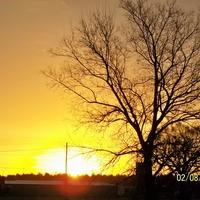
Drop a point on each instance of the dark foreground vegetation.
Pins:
(98, 187)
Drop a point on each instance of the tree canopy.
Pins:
(140, 78)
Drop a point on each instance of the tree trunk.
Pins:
(148, 178)
(184, 191)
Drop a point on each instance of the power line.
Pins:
(28, 137)
(21, 150)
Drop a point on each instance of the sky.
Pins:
(35, 122)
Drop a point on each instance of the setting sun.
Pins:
(54, 161)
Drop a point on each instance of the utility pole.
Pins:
(66, 158)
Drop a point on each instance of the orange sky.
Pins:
(34, 120)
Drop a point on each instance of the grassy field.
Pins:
(60, 192)
(58, 198)
(32, 198)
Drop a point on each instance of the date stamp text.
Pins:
(188, 177)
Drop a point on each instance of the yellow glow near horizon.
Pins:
(33, 117)
(53, 161)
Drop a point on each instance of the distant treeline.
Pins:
(62, 177)
(166, 185)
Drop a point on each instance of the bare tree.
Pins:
(138, 82)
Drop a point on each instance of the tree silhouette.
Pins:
(178, 149)
(138, 81)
